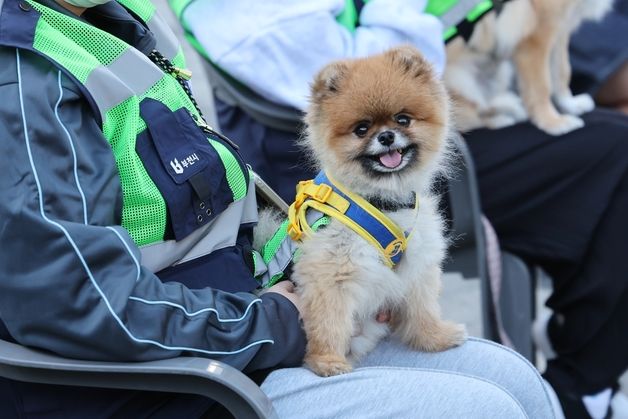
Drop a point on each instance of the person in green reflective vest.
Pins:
(126, 227)
(558, 202)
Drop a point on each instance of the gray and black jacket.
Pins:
(72, 280)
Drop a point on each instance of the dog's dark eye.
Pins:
(361, 129)
(403, 120)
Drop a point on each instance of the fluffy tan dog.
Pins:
(378, 126)
(534, 36)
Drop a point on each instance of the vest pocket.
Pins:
(184, 166)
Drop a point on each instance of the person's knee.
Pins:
(506, 361)
(391, 392)
(607, 128)
(498, 403)
(513, 372)
(463, 396)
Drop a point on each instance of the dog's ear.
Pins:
(327, 81)
(410, 60)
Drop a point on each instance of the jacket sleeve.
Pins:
(71, 279)
(277, 47)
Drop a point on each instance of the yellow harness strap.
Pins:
(355, 212)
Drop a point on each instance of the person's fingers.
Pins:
(286, 288)
(286, 285)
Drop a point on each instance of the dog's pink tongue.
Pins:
(391, 159)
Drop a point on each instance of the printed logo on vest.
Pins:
(176, 166)
(179, 167)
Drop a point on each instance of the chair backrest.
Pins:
(215, 380)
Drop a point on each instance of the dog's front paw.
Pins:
(443, 336)
(575, 105)
(562, 124)
(328, 365)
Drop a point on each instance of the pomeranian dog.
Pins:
(529, 38)
(378, 126)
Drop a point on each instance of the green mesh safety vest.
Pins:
(118, 77)
(454, 14)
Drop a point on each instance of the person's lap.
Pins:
(479, 379)
(545, 194)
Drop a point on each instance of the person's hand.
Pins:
(286, 288)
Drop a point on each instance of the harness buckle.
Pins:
(299, 200)
(322, 193)
(294, 231)
(301, 195)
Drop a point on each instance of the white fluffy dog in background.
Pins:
(528, 39)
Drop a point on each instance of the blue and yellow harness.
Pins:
(317, 202)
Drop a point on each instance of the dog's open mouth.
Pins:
(393, 160)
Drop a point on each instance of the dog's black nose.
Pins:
(386, 138)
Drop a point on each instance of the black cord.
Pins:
(167, 66)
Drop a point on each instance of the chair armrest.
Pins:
(205, 377)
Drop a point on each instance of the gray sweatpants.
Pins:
(480, 379)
